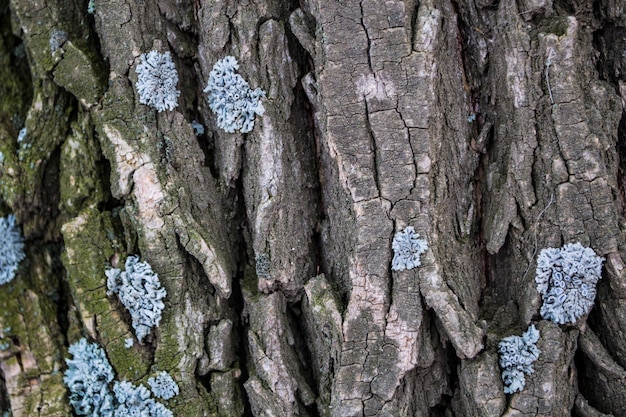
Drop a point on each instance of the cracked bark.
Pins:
(495, 129)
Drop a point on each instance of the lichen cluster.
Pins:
(407, 247)
(231, 98)
(139, 289)
(163, 386)
(88, 378)
(11, 248)
(156, 81)
(566, 278)
(517, 355)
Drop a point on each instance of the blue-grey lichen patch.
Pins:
(21, 135)
(566, 278)
(156, 81)
(57, 39)
(136, 401)
(87, 377)
(198, 128)
(11, 248)
(139, 289)
(163, 386)
(517, 355)
(407, 247)
(262, 264)
(231, 98)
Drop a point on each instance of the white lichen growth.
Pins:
(198, 128)
(140, 291)
(57, 39)
(262, 266)
(163, 386)
(11, 248)
(21, 135)
(566, 279)
(407, 247)
(87, 377)
(157, 80)
(135, 401)
(231, 98)
(517, 355)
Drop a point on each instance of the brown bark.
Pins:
(494, 128)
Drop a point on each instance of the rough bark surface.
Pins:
(494, 128)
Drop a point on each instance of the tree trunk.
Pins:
(494, 128)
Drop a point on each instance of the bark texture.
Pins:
(494, 128)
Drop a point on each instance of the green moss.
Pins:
(53, 397)
(250, 281)
(77, 73)
(50, 400)
(558, 26)
(29, 331)
(225, 388)
(80, 174)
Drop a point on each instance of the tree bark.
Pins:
(494, 128)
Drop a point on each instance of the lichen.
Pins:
(11, 248)
(139, 289)
(566, 279)
(231, 98)
(517, 355)
(163, 386)
(156, 82)
(87, 377)
(262, 266)
(407, 247)
(135, 401)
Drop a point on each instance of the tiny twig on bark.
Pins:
(548, 63)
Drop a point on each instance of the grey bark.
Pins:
(494, 128)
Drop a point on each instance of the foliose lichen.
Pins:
(21, 135)
(407, 247)
(231, 98)
(198, 128)
(262, 266)
(517, 355)
(57, 39)
(140, 291)
(87, 377)
(156, 81)
(11, 248)
(136, 401)
(163, 386)
(566, 278)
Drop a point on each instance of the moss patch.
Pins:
(77, 74)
